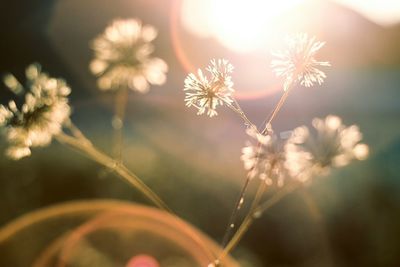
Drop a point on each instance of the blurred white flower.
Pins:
(265, 159)
(207, 94)
(298, 63)
(123, 57)
(42, 114)
(329, 144)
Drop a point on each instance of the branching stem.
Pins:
(265, 131)
(255, 213)
(83, 145)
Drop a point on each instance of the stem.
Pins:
(83, 145)
(276, 198)
(239, 201)
(76, 132)
(258, 196)
(234, 214)
(90, 151)
(121, 100)
(254, 214)
(277, 108)
(238, 110)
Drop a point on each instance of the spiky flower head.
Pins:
(41, 116)
(329, 144)
(298, 63)
(123, 57)
(206, 94)
(264, 158)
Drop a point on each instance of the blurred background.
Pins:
(351, 218)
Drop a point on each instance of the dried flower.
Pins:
(123, 57)
(331, 144)
(298, 63)
(207, 94)
(264, 159)
(40, 117)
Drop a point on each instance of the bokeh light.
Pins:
(142, 261)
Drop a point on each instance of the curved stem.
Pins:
(80, 143)
(90, 151)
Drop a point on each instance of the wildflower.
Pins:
(123, 57)
(207, 94)
(40, 117)
(330, 144)
(265, 159)
(298, 63)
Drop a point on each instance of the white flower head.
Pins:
(297, 63)
(41, 116)
(265, 159)
(207, 93)
(330, 144)
(123, 57)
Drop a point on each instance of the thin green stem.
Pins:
(93, 153)
(266, 130)
(255, 213)
(244, 188)
(234, 214)
(276, 198)
(258, 196)
(121, 101)
(277, 108)
(80, 143)
(238, 110)
(76, 132)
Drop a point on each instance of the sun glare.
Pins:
(241, 25)
(383, 12)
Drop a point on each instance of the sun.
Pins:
(240, 25)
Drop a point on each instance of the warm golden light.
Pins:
(246, 25)
(241, 25)
(383, 12)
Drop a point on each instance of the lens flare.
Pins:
(240, 25)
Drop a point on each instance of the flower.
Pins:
(331, 144)
(41, 116)
(123, 57)
(207, 94)
(298, 63)
(265, 159)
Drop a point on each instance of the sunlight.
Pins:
(241, 25)
(383, 12)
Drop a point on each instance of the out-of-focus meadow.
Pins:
(350, 218)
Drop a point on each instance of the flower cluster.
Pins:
(264, 159)
(298, 63)
(306, 153)
(123, 57)
(329, 144)
(41, 116)
(207, 93)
